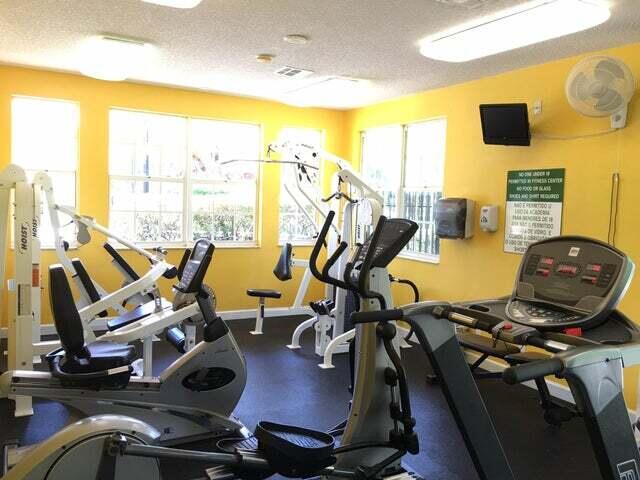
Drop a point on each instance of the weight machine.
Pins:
(361, 207)
(24, 330)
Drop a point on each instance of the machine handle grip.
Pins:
(448, 313)
(406, 281)
(330, 262)
(377, 316)
(313, 258)
(183, 262)
(533, 370)
(170, 273)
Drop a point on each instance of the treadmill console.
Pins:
(568, 282)
(196, 267)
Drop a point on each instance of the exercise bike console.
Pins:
(195, 268)
(569, 282)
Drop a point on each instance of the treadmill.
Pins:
(564, 302)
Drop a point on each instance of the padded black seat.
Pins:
(102, 355)
(81, 364)
(256, 292)
(88, 285)
(282, 270)
(486, 346)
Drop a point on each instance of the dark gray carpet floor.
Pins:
(285, 386)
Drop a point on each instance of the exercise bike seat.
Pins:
(136, 314)
(282, 270)
(97, 356)
(98, 364)
(257, 292)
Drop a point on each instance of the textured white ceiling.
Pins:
(213, 46)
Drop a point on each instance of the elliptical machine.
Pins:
(376, 435)
(192, 398)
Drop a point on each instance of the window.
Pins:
(170, 183)
(44, 136)
(296, 225)
(406, 164)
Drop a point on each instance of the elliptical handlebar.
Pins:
(323, 275)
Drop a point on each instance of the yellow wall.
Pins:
(478, 268)
(475, 268)
(234, 269)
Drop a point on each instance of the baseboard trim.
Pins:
(100, 324)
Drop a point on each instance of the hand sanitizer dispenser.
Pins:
(489, 218)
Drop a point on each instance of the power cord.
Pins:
(544, 136)
(613, 208)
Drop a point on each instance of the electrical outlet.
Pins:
(537, 107)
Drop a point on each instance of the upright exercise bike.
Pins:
(377, 434)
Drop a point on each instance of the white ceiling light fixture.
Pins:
(530, 23)
(296, 39)
(113, 58)
(336, 92)
(175, 3)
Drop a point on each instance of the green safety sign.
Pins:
(534, 207)
(535, 185)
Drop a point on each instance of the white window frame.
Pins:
(188, 183)
(44, 209)
(308, 241)
(402, 188)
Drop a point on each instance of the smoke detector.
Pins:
(293, 72)
(465, 3)
(264, 58)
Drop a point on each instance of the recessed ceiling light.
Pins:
(334, 91)
(175, 3)
(112, 58)
(296, 39)
(265, 58)
(527, 24)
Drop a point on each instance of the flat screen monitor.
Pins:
(505, 124)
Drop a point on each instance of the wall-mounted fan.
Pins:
(601, 86)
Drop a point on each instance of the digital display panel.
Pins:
(567, 269)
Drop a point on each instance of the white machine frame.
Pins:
(353, 228)
(24, 328)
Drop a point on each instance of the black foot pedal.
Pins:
(232, 445)
(295, 451)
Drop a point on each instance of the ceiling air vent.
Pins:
(465, 3)
(293, 72)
